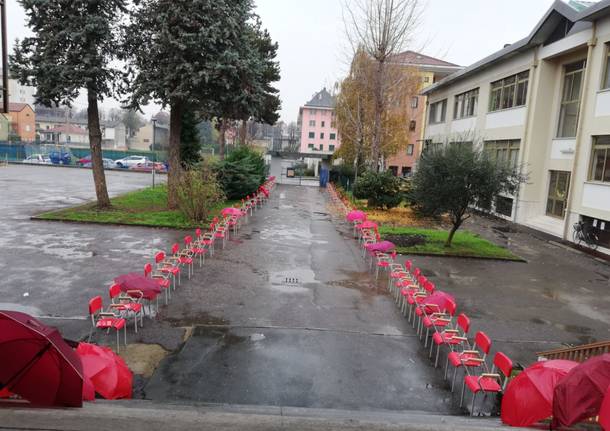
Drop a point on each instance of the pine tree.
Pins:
(71, 49)
(190, 143)
(183, 53)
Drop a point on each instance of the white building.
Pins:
(543, 103)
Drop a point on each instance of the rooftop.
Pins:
(322, 99)
(417, 59)
(17, 107)
(571, 12)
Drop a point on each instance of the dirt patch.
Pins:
(406, 240)
(143, 359)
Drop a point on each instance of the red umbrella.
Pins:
(529, 396)
(383, 246)
(37, 364)
(136, 281)
(108, 373)
(579, 395)
(438, 298)
(604, 412)
(356, 215)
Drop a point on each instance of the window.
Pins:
(394, 170)
(559, 184)
(509, 92)
(27, 128)
(426, 79)
(410, 149)
(313, 112)
(312, 123)
(312, 135)
(600, 166)
(324, 113)
(606, 83)
(463, 144)
(406, 171)
(504, 206)
(570, 99)
(323, 123)
(412, 125)
(322, 135)
(505, 151)
(433, 146)
(310, 146)
(466, 104)
(333, 136)
(414, 102)
(438, 111)
(321, 147)
(331, 148)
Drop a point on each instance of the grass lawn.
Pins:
(146, 207)
(465, 244)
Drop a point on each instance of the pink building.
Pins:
(317, 125)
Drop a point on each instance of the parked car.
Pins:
(108, 163)
(131, 161)
(60, 157)
(37, 159)
(83, 161)
(148, 167)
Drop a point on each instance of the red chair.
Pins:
(451, 337)
(127, 303)
(473, 357)
(488, 382)
(105, 320)
(206, 240)
(168, 266)
(195, 248)
(183, 257)
(161, 279)
(220, 231)
(437, 318)
(384, 260)
(398, 271)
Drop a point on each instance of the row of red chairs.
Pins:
(167, 269)
(433, 315)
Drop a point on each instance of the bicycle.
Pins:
(583, 232)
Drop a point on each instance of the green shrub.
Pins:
(380, 189)
(198, 192)
(242, 172)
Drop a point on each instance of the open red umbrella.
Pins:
(604, 412)
(383, 246)
(37, 364)
(529, 396)
(356, 215)
(438, 298)
(108, 373)
(136, 281)
(579, 395)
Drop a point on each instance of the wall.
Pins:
(322, 115)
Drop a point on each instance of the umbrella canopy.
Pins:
(107, 372)
(231, 211)
(37, 364)
(356, 215)
(136, 281)
(440, 299)
(383, 246)
(604, 412)
(529, 396)
(367, 225)
(579, 395)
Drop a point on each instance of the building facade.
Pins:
(22, 120)
(429, 70)
(542, 104)
(317, 125)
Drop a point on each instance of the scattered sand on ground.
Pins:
(143, 359)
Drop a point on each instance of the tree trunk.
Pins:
(452, 232)
(243, 133)
(379, 107)
(223, 139)
(173, 174)
(95, 144)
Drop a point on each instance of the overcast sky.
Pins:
(312, 44)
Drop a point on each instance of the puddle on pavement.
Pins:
(195, 320)
(362, 282)
(572, 329)
(27, 309)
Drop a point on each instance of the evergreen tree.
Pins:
(71, 49)
(183, 53)
(190, 143)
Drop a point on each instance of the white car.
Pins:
(131, 161)
(37, 159)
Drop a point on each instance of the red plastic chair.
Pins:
(127, 303)
(451, 337)
(488, 382)
(101, 319)
(168, 266)
(206, 240)
(195, 248)
(437, 319)
(473, 357)
(162, 280)
(183, 257)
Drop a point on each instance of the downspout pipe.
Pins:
(591, 45)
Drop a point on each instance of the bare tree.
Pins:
(382, 29)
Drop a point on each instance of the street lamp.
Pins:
(5, 106)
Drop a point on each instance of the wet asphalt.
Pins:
(287, 314)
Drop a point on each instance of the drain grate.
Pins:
(291, 281)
